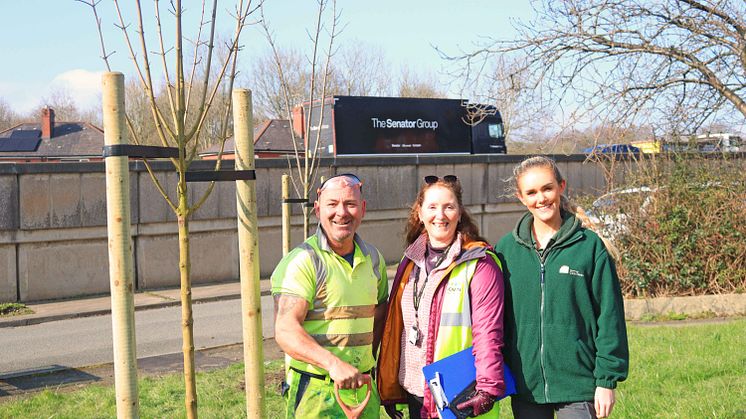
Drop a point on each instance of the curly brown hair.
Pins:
(414, 228)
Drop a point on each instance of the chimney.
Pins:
(299, 124)
(47, 123)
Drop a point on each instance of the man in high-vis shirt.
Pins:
(330, 303)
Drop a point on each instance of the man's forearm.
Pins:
(299, 345)
(292, 338)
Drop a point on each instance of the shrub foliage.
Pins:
(683, 225)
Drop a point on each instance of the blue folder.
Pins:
(456, 373)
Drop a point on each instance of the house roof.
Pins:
(270, 136)
(69, 140)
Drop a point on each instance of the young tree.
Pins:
(306, 160)
(191, 89)
(681, 61)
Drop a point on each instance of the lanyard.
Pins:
(417, 294)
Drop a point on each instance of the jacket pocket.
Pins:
(585, 355)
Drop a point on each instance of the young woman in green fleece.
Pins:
(565, 336)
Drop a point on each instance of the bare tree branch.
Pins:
(164, 63)
(633, 60)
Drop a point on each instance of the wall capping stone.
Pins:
(720, 305)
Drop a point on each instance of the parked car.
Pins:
(612, 149)
(609, 213)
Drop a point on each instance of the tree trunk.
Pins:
(187, 321)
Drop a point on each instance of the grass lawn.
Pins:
(684, 371)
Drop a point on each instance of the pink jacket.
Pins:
(487, 295)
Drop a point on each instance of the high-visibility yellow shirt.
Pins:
(341, 298)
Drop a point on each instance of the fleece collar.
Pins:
(566, 234)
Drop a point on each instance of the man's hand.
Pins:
(604, 401)
(354, 412)
(295, 341)
(345, 375)
(480, 403)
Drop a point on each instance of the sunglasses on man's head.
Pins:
(354, 181)
(447, 179)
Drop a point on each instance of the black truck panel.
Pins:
(361, 125)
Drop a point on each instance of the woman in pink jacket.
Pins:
(442, 240)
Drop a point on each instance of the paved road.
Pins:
(87, 341)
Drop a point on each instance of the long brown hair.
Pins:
(565, 203)
(414, 228)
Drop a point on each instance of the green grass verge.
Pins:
(14, 309)
(686, 371)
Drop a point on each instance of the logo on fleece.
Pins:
(564, 269)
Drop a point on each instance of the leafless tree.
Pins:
(683, 61)
(503, 85)
(361, 69)
(192, 87)
(142, 125)
(65, 108)
(59, 99)
(304, 163)
(358, 70)
(412, 84)
(138, 112)
(8, 117)
(270, 93)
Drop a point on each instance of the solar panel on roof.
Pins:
(19, 144)
(27, 134)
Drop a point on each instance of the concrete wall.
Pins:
(53, 241)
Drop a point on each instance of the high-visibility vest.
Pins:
(454, 330)
(341, 316)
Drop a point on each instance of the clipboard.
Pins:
(450, 376)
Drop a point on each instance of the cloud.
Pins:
(83, 86)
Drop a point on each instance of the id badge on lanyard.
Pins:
(414, 335)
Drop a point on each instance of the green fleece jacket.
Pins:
(564, 314)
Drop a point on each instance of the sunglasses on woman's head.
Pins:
(447, 179)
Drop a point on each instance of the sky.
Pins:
(52, 45)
